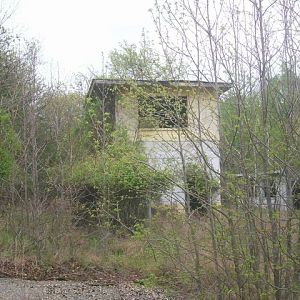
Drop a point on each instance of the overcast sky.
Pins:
(73, 33)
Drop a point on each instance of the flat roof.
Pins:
(223, 86)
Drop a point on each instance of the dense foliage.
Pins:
(119, 181)
(62, 164)
(9, 144)
(200, 187)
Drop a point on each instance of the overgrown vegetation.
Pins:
(77, 189)
(199, 187)
(115, 184)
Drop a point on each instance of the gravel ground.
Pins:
(18, 289)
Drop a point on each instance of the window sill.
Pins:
(162, 129)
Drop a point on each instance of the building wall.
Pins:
(164, 146)
(279, 201)
(127, 114)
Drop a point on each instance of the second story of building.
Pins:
(160, 111)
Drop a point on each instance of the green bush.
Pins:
(116, 183)
(6, 163)
(200, 187)
(9, 143)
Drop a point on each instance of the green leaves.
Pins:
(121, 177)
(133, 62)
(200, 187)
(6, 163)
(121, 167)
(9, 144)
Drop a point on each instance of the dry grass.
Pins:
(162, 252)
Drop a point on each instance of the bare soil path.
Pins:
(19, 289)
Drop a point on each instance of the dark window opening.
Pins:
(273, 188)
(253, 188)
(163, 112)
(296, 195)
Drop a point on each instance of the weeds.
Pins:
(158, 253)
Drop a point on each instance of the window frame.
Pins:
(159, 115)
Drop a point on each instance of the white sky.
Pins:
(73, 33)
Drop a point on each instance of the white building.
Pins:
(177, 122)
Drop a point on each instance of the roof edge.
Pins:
(224, 86)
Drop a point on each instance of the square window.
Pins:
(163, 112)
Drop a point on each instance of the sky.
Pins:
(73, 33)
